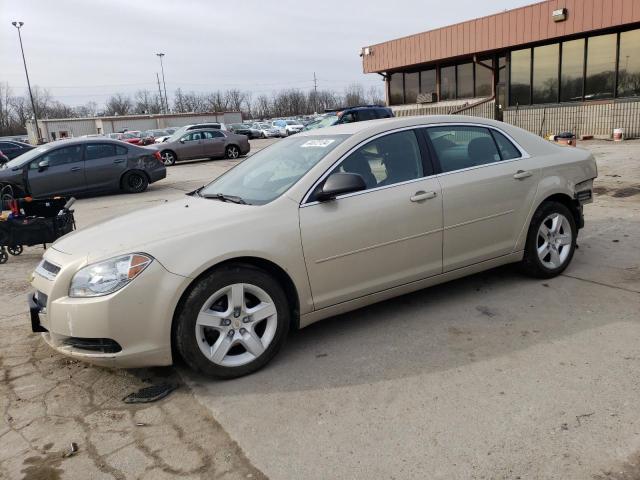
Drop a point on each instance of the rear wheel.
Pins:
(233, 322)
(134, 182)
(15, 250)
(3, 256)
(551, 241)
(232, 152)
(168, 158)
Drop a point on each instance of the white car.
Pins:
(313, 226)
(287, 127)
(266, 130)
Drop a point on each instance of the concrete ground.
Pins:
(492, 376)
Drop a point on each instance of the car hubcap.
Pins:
(167, 158)
(233, 152)
(135, 181)
(236, 325)
(554, 241)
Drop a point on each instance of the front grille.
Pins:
(47, 270)
(101, 345)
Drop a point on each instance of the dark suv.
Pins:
(12, 148)
(358, 113)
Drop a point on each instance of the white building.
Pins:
(57, 128)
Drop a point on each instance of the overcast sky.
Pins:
(88, 49)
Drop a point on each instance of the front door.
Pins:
(488, 186)
(192, 146)
(57, 172)
(213, 143)
(387, 235)
(104, 165)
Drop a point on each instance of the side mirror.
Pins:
(339, 184)
(43, 165)
(182, 140)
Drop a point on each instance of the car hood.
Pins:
(149, 229)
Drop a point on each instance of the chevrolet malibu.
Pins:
(315, 225)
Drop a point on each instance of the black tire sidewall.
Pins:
(125, 182)
(531, 264)
(185, 319)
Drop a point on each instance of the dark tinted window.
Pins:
(629, 69)
(545, 73)
(60, 156)
(411, 85)
(7, 145)
(386, 160)
(507, 149)
(348, 118)
(465, 80)
(366, 114)
(396, 93)
(484, 77)
(448, 83)
(100, 150)
(521, 77)
(572, 70)
(601, 67)
(428, 81)
(461, 147)
(383, 113)
(214, 134)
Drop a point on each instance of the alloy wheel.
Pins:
(167, 159)
(554, 241)
(236, 325)
(233, 152)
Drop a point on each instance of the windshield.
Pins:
(323, 122)
(264, 125)
(269, 173)
(26, 157)
(177, 135)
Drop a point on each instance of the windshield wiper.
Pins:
(226, 198)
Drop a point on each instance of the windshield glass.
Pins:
(269, 173)
(177, 134)
(323, 122)
(26, 157)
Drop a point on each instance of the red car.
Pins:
(130, 136)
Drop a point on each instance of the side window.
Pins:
(58, 157)
(459, 147)
(383, 113)
(366, 114)
(100, 150)
(386, 160)
(210, 135)
(6, 146)
(348, 118)
(196, 136)
(121, 150)
(507, 149)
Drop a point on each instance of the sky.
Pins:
(86, 50)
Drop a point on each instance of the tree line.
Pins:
(15, 110)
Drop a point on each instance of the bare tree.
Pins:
(118, 104)
(146, 102)
(354, 95)
(375, 95)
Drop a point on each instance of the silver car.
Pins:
(313, 226)
(204, 143)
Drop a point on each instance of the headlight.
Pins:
(108, 276)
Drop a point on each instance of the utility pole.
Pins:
(19, 25)
(166, 100)
(160, 92)
(315, 93)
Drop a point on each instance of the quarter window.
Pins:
(507, 149)
(387, 160)
(459, 147)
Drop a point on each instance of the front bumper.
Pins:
(130, 328)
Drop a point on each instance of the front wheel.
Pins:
(168, 158)
(233, 322)
(134, 182)
(232, 152)
(551, 241)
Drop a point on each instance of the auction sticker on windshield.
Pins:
(317, 143)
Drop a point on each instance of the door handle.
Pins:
(75, 169)
(120, 160)
(522, 174)
(421, 196)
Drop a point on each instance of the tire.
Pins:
(3, 256)
(232, 152)
(549, 249)
(134, 181)
(216, 337)
(15, 250)
(262, 135)
(168, 158)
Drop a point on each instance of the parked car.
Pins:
(151, 136)
(3, 158)
(82, 166)
(191, 144)
(133, 136)
(316, 225)
(12, 148)
(349, 115)
(241, 129)
(265, 130)
(287, 127)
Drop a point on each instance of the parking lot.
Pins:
(492, 376)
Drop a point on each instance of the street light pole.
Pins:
(166, 100)
(19, 25)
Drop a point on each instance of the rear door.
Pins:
(488, 186)
(104, 165)
(192, 146)
(213, 143)
(61, 173)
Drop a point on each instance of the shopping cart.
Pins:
(34, 222)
